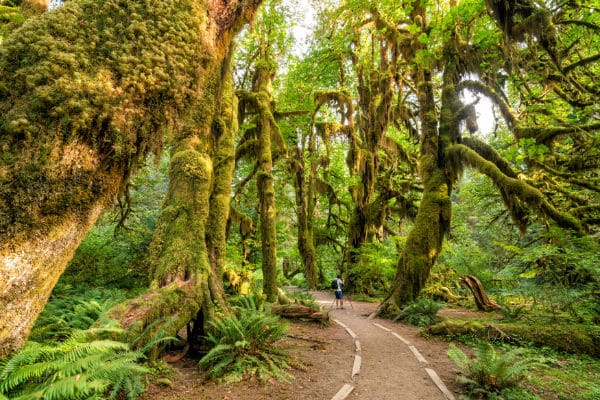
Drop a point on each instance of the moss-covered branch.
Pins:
(545, 134)
(514, 187)
(581, 63)
(515, 205)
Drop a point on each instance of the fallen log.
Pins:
(299, 311)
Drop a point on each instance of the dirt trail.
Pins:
(389, 364)
(389, 369)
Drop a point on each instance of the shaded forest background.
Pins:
(234, 168)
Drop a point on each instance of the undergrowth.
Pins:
(422, 312)
(87, 365)
(491, 374)
(73, 308)
(243, 348)
(75, 352)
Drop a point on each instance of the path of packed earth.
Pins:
(354, 358)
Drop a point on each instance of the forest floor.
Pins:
(394, 362)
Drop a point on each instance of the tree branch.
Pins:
(580, 63)
(579, 23)
(545, 134)
(514, 187)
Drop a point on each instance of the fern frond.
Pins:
(490, 371)
(243, 346)
(67, 388)
(72, 370)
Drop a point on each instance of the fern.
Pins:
(421, 312)
(153, 339)
(81, 367)
(512, 312)
(254, 302)
(70, 309)
(489, 373)
(306, 299)
(243, 347)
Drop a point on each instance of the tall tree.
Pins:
(521, 55)
(469, 47)
(86, 92)
(312, 156)
(263, 141)
(371, 103)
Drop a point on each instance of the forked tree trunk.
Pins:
(188, 248)
(70, 139)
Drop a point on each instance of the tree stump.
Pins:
(483, 302)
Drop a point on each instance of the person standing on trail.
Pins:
(339, 295)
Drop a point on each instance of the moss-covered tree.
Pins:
(262, 142)
(469, 48)
(373, 104)
(527, 58)
(86, 92)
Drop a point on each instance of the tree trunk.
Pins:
(266, 198)
(306, 241)
(70, 139)
(188, 248)
(424, 241)
(223, 133)
(264, 183)
(29, 269)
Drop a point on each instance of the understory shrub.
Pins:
(421, 312)
(243, 348)
(490, 373)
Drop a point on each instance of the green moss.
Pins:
(103, 77)
(223, 132)
(573, 338)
